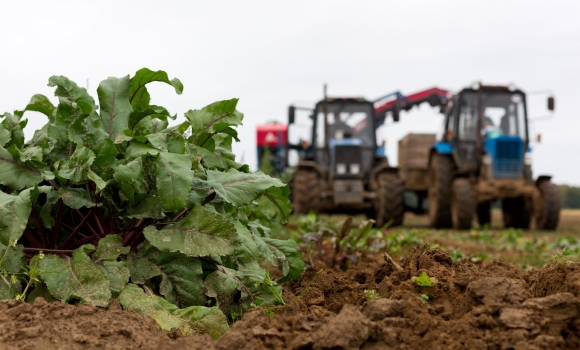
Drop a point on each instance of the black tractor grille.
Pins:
(349, 156)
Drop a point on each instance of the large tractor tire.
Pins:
(439, 193)
(305, 191)
(484, 213)
(548, 210)
(389, 203)
(517, 212)
(462, 208)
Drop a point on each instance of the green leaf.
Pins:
(138, 149)
(199, 233)
(77, 278)
(14, 124)
(14, 213)
(223, 287)
(173, 177)
(40, 103)
(182, 282)
(424, 280)
(110, 248)
(40, 291)
(138, 94)
(240, 188)
(5, 135)
(118, 274)
(115, 106)
(150, 207)
(141, 121)
(75, 198)
(191, 320)
(15, 174)
(279, 196)
(222, 114)
(9, 288)
(289, 256)
(87, 131)
(77, 166)
(74, 101)
(141, 268)
(12, 258)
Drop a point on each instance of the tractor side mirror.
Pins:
(551, 103)
(291, 114)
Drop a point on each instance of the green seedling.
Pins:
(371, 294)
(424, 280)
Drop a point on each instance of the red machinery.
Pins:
(395, 102)
(273, 137)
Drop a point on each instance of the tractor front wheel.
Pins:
(462, 208)
(439, 193)
(389, 204)
(305, 191)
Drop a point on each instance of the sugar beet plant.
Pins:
(109, 201)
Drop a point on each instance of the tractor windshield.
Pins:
(503, 115)
(346, 120)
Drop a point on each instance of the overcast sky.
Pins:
(272, 53)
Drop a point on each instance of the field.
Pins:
(106, 242)
(433, 288)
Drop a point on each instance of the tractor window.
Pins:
(345, 121)
(503, 115)
(467, 128)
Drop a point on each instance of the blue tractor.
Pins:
(484, 156)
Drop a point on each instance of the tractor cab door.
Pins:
(466, 126)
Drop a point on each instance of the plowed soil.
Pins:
(492, 306)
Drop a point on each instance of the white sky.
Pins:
(272, 53)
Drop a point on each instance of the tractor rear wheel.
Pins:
(517, 212)
(484, 213)
(305, 191)
(462, 208)
(439, 193)
(389, 204)
(548, 210)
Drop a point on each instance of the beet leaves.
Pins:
(112, 202)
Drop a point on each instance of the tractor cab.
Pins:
(343, 137)
(488, 130)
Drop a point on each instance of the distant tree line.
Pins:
(570, 197)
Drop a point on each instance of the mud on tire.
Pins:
(305, 191)
(548, 209)
(439, 193)
(462, 207)
(389, 205)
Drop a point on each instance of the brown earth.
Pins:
(493, 306)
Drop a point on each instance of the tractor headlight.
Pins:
(341, 168)
(527, 159)
(354, 168)
(486, 160)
